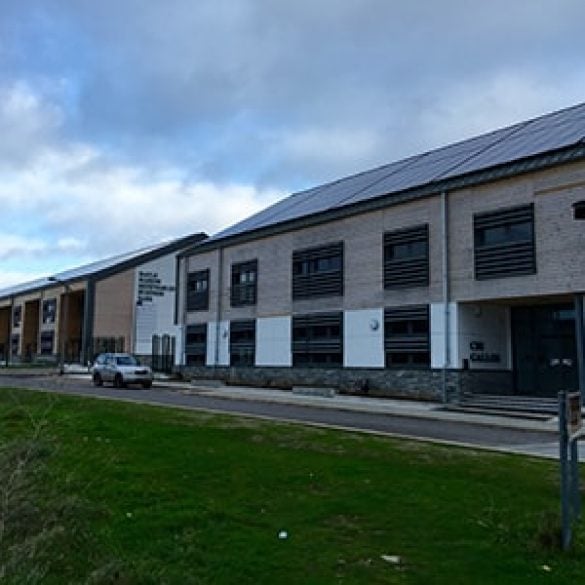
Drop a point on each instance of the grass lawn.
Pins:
(103, 492)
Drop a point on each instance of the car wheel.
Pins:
(118, 381)
(146, 385)
(97, 380)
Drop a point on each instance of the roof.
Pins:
(106, 267)
(536, 143)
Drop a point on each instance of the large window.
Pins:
(318, 272)
(243, 342)
(406, 336)
(406, 257)
(244, 277)
(196, 344)
(49, 311)
(14, 343)
(47, 342)
(198, 290)
(504, 243)
(17, 316)
(318, 340)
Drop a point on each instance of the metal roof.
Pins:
(428, 172)
(104, 267)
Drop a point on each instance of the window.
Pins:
(406, 336)
(504, 243)
(49, 310)
(318, 340)
(244, 277)
(47, 342)
(14, 343)
(243, 343)
(196, 344)
(17, 316)
(406, 257)
(198, 290)
(318, 272)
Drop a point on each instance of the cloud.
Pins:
(86, 203)
(27, 123)
(14, 245)
(123, 123)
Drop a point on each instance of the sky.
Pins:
(128, 122)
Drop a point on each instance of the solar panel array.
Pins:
(541, 135)
(79, 272)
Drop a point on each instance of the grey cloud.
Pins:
(227, 86)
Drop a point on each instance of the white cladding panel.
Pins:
(363, 338)
(154, 299)
(273, 341)
(484, 336)
(441, 355)
(223, 348)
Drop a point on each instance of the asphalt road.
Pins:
(464, 432)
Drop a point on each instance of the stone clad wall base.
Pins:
(414, 384)
(424, 384)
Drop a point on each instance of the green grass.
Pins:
(120, 493)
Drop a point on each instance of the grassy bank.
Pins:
(101, 492)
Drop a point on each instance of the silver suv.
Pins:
(120, 369)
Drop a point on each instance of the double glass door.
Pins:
(545, 355)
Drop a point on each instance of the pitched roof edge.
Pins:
(151, 254)
(476, 178)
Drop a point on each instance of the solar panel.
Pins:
(82, 271)
(519, 141)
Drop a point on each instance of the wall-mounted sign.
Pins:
(150, 286)
(476, 346)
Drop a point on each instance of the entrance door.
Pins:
(541, 334)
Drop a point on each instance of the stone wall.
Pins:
(419, 384)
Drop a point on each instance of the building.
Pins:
(459, 269)
(124, 303)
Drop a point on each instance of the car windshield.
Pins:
(126, 360)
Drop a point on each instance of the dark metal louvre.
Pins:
(408, 271)
(410, 341)
(312, 335)
(196, 344)
(316, 283)
(506, 258)
(243, 294)
(243, 342)
(197, 300)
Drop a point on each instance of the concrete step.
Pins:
(510, 403)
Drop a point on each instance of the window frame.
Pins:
(508, 256)
(407, 271)
(312, 349)
(410, 343)
(244, 293)
(198, 300)
(242, 350)
(309, 279)
(197, 348)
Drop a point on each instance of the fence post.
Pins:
(564, 467)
